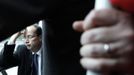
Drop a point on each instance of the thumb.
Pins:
(78, 26)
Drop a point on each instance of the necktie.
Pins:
(35, 64)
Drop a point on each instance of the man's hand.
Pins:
(14, 37)
(111, 28)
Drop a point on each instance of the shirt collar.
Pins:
(38, 52)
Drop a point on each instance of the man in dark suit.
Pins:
(22, 57)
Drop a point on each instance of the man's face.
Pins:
(32, 41)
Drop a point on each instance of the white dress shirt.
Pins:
(39, 60)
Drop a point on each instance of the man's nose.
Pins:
(26, 40)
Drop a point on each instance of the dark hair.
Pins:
(38, 30)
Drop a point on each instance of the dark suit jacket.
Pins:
(21, 58)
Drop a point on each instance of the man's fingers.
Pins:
(99, 35)
(98, 64)
(120, 65)
(92, 50)
(116, 49)
(105, 17)
(106, 34)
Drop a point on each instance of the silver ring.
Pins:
(107, 48)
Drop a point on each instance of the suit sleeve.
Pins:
(125, 5)
(7, 57)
